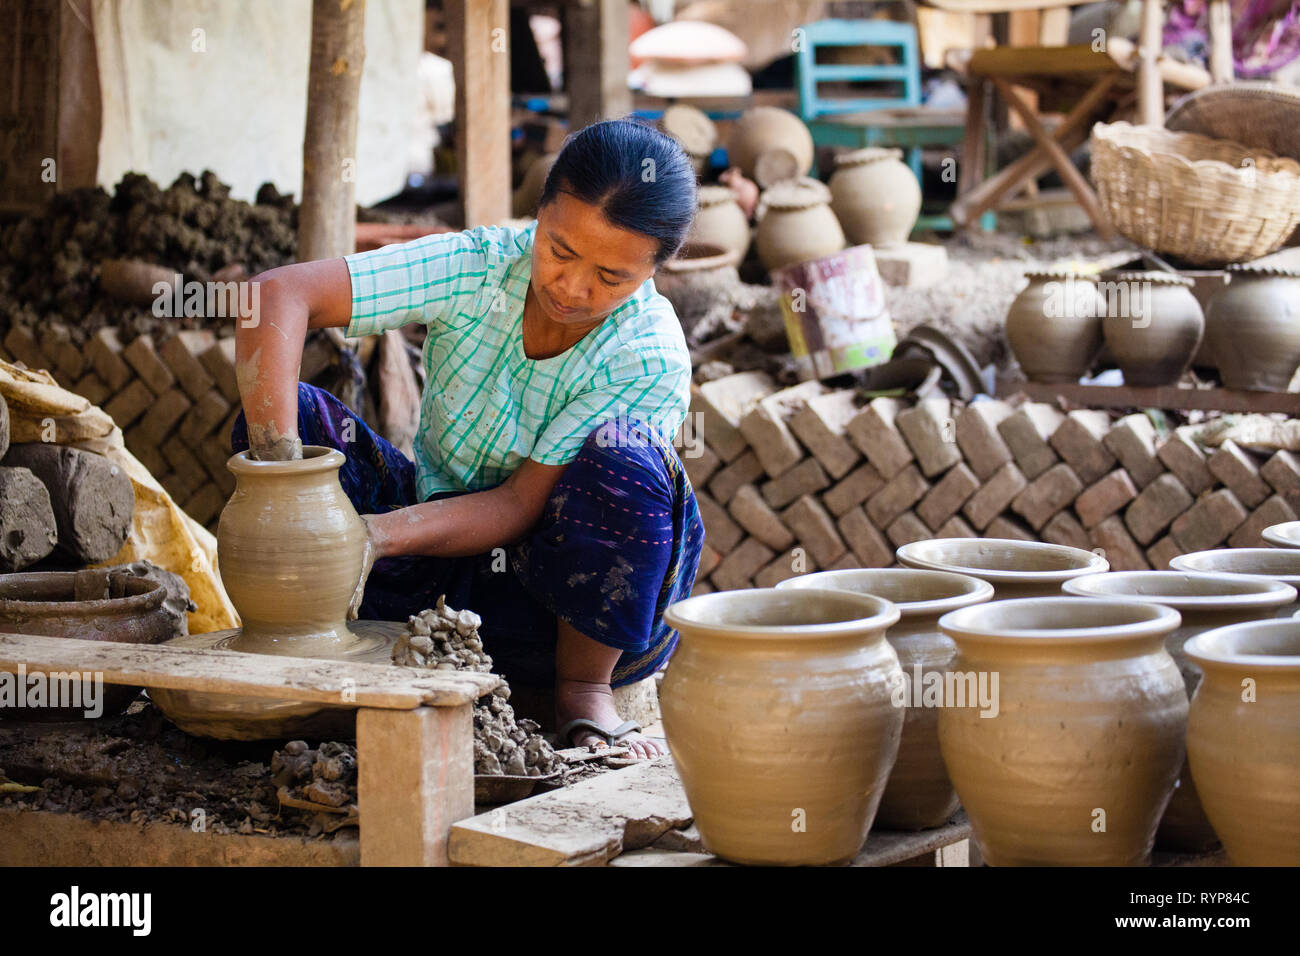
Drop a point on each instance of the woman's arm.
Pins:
(268, 347)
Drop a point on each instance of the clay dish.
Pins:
(1014, 568)
(1284, 535)
(1277, 564)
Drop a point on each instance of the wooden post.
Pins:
(1220, 30)
(327, 219)
(29, 103)
(1151, 87)
(478, 40)
(596, 61)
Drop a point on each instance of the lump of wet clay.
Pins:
(442, 639)
(326, 775)
(28, 531)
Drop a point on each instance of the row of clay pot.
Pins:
(797, 716)
(1153, 326)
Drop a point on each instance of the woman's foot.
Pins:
(594, 701)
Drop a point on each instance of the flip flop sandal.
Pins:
(611, 737)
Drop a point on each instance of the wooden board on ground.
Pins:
(1163, 396)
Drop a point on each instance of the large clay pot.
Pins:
(45, 603)
(764, 129)
(1276, 564)
(777, 709)
(1205, 601)
(1016, 569)
(797, 225)
(1080, 758)
(1054, 326)
(692, 128)
(1284, 535)
(876, 196)
(1243, 739)
(1206, 284)
(1253, 327)
(1152, 326)
(696, 279)
(719, 221)
(919, 793)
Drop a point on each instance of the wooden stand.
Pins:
(1163, 396)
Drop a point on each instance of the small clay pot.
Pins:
(1284, 535)
(765, 128)
(919, 794)
(1016, 569)
(1153, 325)
(697, 277)
(1054, 326)
(1088, 729)
(876, 196)
(1243, 739)
(1253, 327)
(1276, 564)
(796, 225)
(719, 221)
(777, 708)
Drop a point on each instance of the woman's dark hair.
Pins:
(641, 179)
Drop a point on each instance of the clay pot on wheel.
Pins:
(1090, 719)
(1276, 564)
(1152, 326)
(777, 709)
(919, 794)
(1016, 569)
(765, 129)
(719, 221)
(1244, 745)
(1054, 326)
(796, 225)
(1253, 327)
(876, 196)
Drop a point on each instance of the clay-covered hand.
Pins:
(374, 550)
(267, 444)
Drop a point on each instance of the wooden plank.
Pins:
(478, 35)
(1164, 396)
(1220, 30)
(887, 847)
(596, 61)
(248, 675)
(1056, 61)
(1151, 87)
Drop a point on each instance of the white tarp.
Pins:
(190, 85)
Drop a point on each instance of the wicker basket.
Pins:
(1208, 201)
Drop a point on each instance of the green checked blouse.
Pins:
(487, 406)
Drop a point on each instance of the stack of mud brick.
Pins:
(175, 401)
(802, 479)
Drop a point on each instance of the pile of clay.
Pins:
(445, 639)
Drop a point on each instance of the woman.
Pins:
(545, 495)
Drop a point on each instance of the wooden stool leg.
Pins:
(415, 778)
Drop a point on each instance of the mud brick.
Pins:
(1238, 470)
(1064, 528)
(846, 561)
(1026, 431)
(1103, 498)
(784, 567)
(1273, 511)
(182, 485)
(956, 527)
(701, 466)
(745, 469)
(739, 567)
(1282, 472)
(1185, 459)
(129, 404)
(1006, 527)
(914, 264)
(874, 432)
(868, 544)
(184, 463)
(947, 496)
(901, 492)
(853, 489)
(146, 452)
(1078, 440)
(723, 402)
(815, 529)
(702, 587)
(90, 386)
(219, 360)
(979, 440)
(200, 421)
(929, 430)
(1118, 545)
(995, 496)
(205, 504)
(186, 367)
(1209, 522)
(22, 344)
(1162, 552)
(214, 456)
(806, 478)
(104, 350)
(162, 416)
(709, 559)
(1047, 494)
(752, 513)
(770, 437)
(907, 528)
(822, 426)
(148, 364)
(56, 343)
(1132, 440)
(1155, 508)
(719, 530)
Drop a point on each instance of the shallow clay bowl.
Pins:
(1015, 568)
(916, 593)
(1277, 564)
(1187, 591)
(1284, 535)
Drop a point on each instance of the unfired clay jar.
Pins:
(797, 225)
(778, 714)
(1152, 326)
(1253, 327)
(719, 221)
(697, 277)
(692, 128)
(1081, 757)
(1016, 569)
(1284, 535)
(1243, 739)
(1277, 564)
(876, 196)
(919, 793)
(1205, 601)
(765, 128)
(1054, 326)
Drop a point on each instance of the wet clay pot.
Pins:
(1206, 284)
(875, 196)
(1253, 327)
(1016, 569)
(1205, 602)
(777, 709)
(1078, 762)
(1153, 325)
(696, 278)
(919, 794)
(1054, 326)
(47, 603)
(1276, 564)
(720, 222)
(797, 225)
(1243, 739)
(1284, 535)
(765, 129)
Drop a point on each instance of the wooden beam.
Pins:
(1151, 88)
(1163, 396)
(29, 102)
(596, 61)
(478, 40)
(975, 138)
(1220, 30)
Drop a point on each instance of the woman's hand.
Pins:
(375, 548)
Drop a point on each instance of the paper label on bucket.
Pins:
(835, 313)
